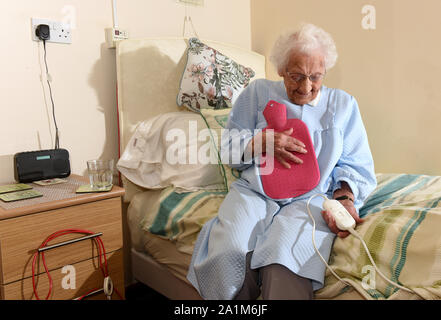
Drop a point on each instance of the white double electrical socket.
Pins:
(59, 32)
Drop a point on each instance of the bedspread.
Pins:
(177, 216)
(401, 229)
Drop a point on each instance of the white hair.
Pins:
(308, 39)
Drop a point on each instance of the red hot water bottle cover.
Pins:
(283, 183)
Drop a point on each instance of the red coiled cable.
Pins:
(101, 254)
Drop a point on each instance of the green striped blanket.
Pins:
(180, 216)
(402, 230)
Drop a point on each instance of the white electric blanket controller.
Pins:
(346, 222)
(343, 218)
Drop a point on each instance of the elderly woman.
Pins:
(262, 246)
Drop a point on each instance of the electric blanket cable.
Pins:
(313, 238)
(100, 245)
(57, 142)
(354, 233)
(101, 255)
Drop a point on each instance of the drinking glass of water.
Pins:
(100, 173)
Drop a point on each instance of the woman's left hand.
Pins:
(349, 205)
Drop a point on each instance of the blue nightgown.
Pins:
(280, 231)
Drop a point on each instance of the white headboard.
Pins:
(149, 72)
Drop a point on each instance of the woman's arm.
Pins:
(353, 175)
(354, 172)
(241, 128)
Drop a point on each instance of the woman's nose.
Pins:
(305, 86)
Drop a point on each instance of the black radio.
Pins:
(41, 165)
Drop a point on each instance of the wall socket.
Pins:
(59, 32)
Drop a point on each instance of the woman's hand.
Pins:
(349, 205)
(284, 146)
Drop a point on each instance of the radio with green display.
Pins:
(41, 165)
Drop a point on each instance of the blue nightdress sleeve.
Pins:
(356, 165)
(241, 128)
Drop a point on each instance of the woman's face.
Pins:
(297, 76)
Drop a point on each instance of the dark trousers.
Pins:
(277, 283)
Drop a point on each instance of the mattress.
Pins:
(401, 228)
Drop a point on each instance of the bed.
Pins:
(164, 212)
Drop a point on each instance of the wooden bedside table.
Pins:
(25, 224)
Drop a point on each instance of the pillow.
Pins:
(164, 151)
(216, 121)
(211, 79)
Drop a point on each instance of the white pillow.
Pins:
(150, 159)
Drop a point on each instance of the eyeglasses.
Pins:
(299, 77)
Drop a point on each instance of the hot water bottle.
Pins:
(281, 182)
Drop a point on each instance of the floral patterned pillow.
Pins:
(211, 80)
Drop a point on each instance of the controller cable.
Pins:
(354, 233)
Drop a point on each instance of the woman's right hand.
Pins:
(284, 146)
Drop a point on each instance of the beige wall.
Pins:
(83, 72)
(393, 71)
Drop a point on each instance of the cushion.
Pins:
(216, 121)
(211, 79)
(164, 151)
